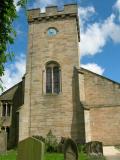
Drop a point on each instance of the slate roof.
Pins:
(9, 94)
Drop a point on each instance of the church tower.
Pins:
(49, 98)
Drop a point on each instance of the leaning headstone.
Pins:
(31, 149)
(94, 148)
(3, 142)
(70, 150)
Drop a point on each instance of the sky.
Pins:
(99, 33)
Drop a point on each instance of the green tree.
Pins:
(8, 14)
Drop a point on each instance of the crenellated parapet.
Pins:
(52, 12)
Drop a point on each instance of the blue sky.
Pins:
(100, 38)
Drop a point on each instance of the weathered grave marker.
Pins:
(70, 150)
(31, 149)
(94, 148)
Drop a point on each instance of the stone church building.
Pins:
(56, 93)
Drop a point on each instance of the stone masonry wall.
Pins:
(43, 112)
(100, 91)
(53, 111)
(102, 99)
(3, 142)
(105, 125)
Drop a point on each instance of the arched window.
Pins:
(52, 78)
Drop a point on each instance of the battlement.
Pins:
(52, 11)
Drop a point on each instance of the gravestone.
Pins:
(94, 148)
(3, 142)
(70, 150)
(31, 149)
(61, 145)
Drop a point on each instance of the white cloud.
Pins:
(95, 36)
(93, 67)
(110, 29)
(117, 5)
(92, 40)
(14, 73)
(117, 8)
(49, 2)
(43, 3)
(17, 7)
(85, 14)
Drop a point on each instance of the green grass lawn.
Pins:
(58, 156)
(11, 155)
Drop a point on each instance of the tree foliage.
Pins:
(8, 14)
(7, 33)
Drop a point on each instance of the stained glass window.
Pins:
(56, 79)
(49, 80)
(52, 78)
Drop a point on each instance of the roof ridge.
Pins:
(10, 88)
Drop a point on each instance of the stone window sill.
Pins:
(52, 94)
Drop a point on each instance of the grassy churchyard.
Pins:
(39, 148)
(11, 155)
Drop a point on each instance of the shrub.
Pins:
(51, 143)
